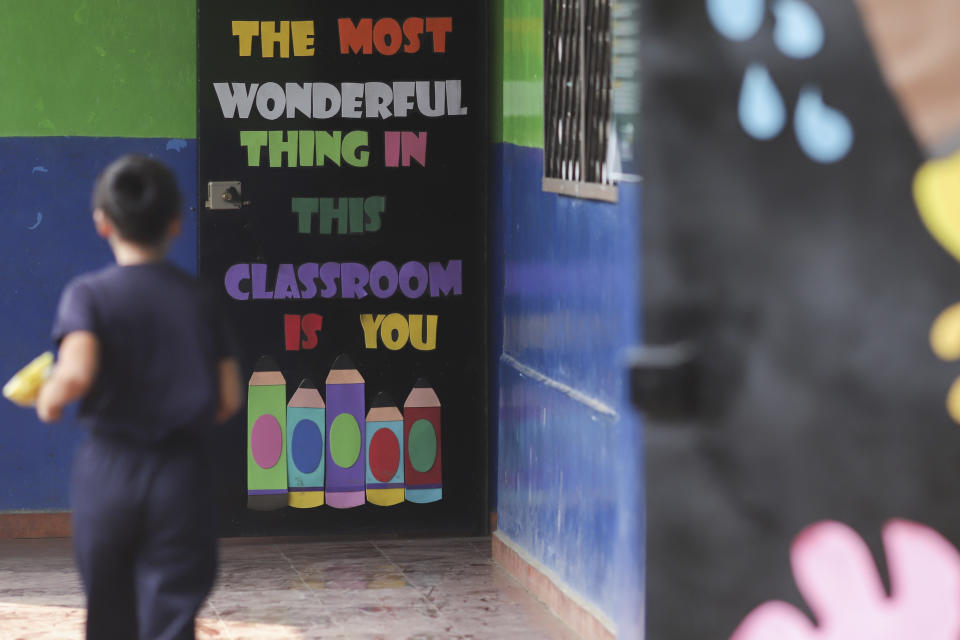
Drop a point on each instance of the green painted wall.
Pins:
(123, 68)
(517, 72)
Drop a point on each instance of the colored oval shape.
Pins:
(384, 455)
(345, 440)
(266, 441)
(422, 445)
(306, 446)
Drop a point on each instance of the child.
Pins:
(141, 345)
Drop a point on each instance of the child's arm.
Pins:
(78, 362)
(231, 389)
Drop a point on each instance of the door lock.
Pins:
(665, 380)
(225, 194)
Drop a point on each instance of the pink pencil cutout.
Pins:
(837, 577)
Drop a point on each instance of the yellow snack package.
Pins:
(24, 387)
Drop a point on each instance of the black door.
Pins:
(342, 212)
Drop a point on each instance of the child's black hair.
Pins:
(140, 197)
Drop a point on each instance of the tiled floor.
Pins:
(268, 590)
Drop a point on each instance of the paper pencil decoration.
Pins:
(306, 420)
(345, 436)
(266, 427)
(421, 433)
(384, 452)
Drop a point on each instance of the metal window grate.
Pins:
(577, 91)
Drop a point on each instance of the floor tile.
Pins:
(424, 589)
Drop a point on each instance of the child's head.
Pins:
(139, 198)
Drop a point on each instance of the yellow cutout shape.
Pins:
(305, 499)
(385, 497)
(24, 387)
(945, 334)
(936, 190)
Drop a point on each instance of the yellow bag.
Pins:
(24, 387)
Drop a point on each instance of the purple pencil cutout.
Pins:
(345, 459)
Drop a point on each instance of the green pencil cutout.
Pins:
(266, 437)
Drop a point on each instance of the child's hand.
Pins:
(837, 577)
(48, 411)
(73, 375)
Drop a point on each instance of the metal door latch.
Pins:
(225, 194)
(665, 380)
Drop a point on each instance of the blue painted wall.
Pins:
(48, 238)
(569, 475)
(85, 81)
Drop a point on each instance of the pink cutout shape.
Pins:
(838, 579)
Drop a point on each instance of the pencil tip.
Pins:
(383, 399)
(343, 361)
(266, 363)
(307, 383)
(421, 383)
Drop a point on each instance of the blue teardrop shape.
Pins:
(824, 133)
(762, 111)
(737, 20)
(798, 32)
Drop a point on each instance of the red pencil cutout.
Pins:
(421, 436)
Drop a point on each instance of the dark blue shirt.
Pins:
(160, 344)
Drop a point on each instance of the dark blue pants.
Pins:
(144, 535)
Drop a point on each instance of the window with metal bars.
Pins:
(577, 98)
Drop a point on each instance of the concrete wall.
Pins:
(84, 82)
(565, 302)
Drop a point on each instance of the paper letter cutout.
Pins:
(355, 149)
(412, 28)
(235, 98)
(254, 141)
(387, 36)
(231, 281)
(245, 30)
(394, 332)
(302, 31)
(283, 143)
(413, 272)
(356, 38)
(326, 102)
(370, 324)
(446, 281)
(299, 97)
(420, 341)
(270, 36)
(440, 27)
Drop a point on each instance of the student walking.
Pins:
(144, 350)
